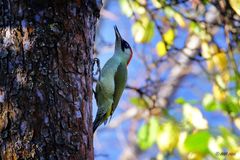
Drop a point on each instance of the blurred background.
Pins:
(182, 99)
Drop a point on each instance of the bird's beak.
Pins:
(118, 36)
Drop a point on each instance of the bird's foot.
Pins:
(98, 71)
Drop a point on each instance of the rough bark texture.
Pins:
(46, 49)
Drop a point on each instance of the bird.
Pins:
(112, 81)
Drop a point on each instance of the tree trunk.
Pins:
(46, 49)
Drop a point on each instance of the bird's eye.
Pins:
(124, 45)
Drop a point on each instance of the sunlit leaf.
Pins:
(139, 102)
(194, 116)
(205, 50)
(137, 7)
(213, 49)
(230, 140)
(180, 100)
(235, 4)
(147, 134)
(193, 41)
(194, 27)
(214, 146)
(157, 3)
(169, 36)
(169, 11)
(161, 49)
(160, 156)
(231, 105)
(220, 81)
(198, 142)
(225, 76)
(181, 148)
(143, 30)
(179, 19)
(219, 93)
(168, 135)
(126, 9)
(209, 102)
(220, 60)
(195, 156)
(207, 55)
(237, 122)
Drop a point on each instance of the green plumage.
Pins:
(109, 89)
(112, 82)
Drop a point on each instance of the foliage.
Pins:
(187, 33)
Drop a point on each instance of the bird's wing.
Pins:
(120, 79)
(102, 114)
(104, 101)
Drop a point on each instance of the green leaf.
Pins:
(180, 100)
(125, 7)
(230, 105)
(197, 142)
(161, 49)
(168, 135)
(169, 12)
(147, 134)
(209, 102)
(195, 28)
(139, 102)
(205, 1)
(143, 30)
(230, 140)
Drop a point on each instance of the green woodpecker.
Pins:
(112, 81)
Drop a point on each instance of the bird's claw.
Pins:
(98, 71)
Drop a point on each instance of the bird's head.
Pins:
(122, 47)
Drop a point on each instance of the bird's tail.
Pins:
(96, 123)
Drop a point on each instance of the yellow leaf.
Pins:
(210, 65)
(168, 137)
(205, 50)
(207, 55)
(215, 58)
(218, 93)
(194, 156)
(136, 7)
(220, 60)
(143, 30)
(213, 49)
(225, 76)
(179, 19)
(235, 4)
(220, 81)
(161, 49)
(169, 36)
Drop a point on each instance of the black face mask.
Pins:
(124, 45)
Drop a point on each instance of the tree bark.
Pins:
(46, 49)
